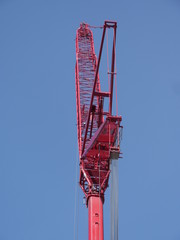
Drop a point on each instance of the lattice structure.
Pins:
(86, 62)
(98, 130)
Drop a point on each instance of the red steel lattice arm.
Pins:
(97, 129)
(85, 71)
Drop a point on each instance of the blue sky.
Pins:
(38, 141)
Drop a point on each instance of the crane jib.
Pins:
(97, 129)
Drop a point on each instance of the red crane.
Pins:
(97, 128)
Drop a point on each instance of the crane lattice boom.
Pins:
(98, 130)
(85, 72)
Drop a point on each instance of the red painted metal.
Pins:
(98, 130)
(86, 62)
(95, 209)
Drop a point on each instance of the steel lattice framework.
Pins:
(86, 62)
(98, 130)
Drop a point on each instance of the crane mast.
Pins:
(97, 128)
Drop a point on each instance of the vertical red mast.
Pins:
(98, 130)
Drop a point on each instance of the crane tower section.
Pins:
(97, 128)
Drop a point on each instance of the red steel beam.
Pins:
(112, 69)
(94, 87)
(107, 24)
(95, 210)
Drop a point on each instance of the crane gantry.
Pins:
(97, 128)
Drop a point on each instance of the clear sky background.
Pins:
(38, 141)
